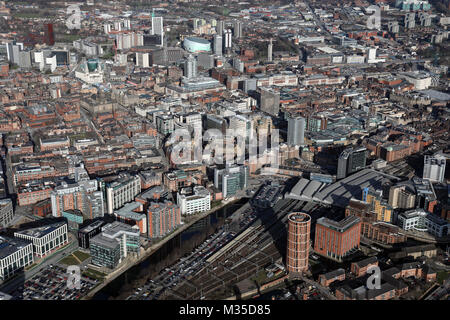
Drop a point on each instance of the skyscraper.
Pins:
(220, 27)
(269, 51)
(49, 34)
(350, 161)
(299, 228)
(227, 39)
(157, 27)
(218, 44)
(12, 50)
(238, 29)
(296, 131)
(190, 67)
(434, 168)
(337, 239)
(269, 101)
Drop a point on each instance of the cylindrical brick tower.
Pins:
(299, 226)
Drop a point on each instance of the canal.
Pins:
(167, 254)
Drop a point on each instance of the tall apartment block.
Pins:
(382, 209)
(337, 239)
(269, 101)
(163, 217)
(81, 196)
(121, 191)
(296, 131)
(434, 168)
(400, 197)
(350, 161)
(299, 228)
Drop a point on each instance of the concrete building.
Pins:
(400, 197)
(296, 131)
(218, 41)
(116, 241)
(194, 200)
(6, 212)
(45, 239)
(383, 211)
(190, 67)
(15, 254)
(269, 51)
(231, 179)
(299, 229)
(227, 39)
(350, 161)
(269, 101)
(434, 168)
(121, 191)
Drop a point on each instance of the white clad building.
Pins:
(194, 200)
(45, 239)
(122, 191)
(434, 168)
(14, 255)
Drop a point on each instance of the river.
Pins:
(168, 253)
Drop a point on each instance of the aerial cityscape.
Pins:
(225, 150)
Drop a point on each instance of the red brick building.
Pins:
(337, 239)
(299, 228)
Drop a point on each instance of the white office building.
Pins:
(194, 200)
(421, 220)
(45, 239)
(121, 191)
(15, 254)
(434, 168)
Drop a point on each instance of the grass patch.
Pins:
(94, 274)
(81, 255)
(69, 261)
(260, 277)
(441, 276)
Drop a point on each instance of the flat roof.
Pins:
(40, 232)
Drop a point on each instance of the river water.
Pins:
(168, 253)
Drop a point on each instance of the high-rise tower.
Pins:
(269, 51)
(299, 227)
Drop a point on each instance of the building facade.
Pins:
(194, 200)
(337, 239)
(299, 228)
(121, 191)
(15, 254)
(45, 239)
